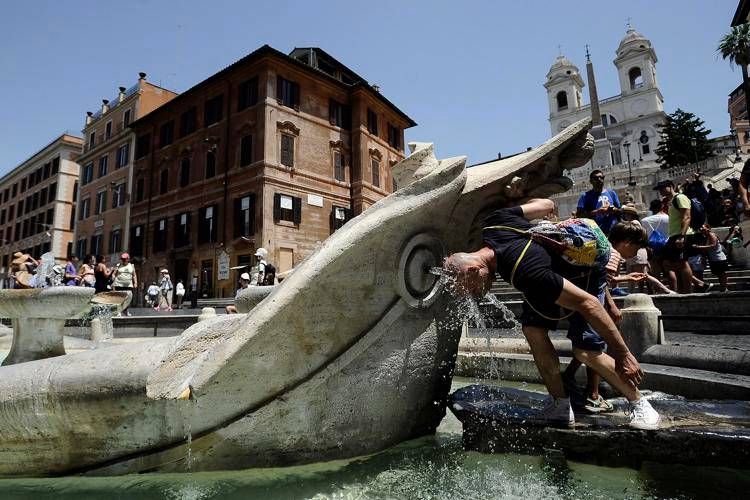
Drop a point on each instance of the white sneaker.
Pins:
(643, 416)
(556, 412)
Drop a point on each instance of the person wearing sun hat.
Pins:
(165, 285)
(125, 278)
(244, 283)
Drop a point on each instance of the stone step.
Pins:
(499, 419)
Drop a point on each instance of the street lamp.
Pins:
(736, 148)
(631, 182)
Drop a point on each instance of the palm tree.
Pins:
(735, 46)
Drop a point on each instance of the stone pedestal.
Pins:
(35, 339)
(640, 323)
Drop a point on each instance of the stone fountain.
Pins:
(38, 316)
(350, 354)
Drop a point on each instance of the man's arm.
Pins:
(685, 222)
(135, 279)
(537, 208)
(593, 312)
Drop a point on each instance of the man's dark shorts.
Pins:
(672, 253)
(542, 285)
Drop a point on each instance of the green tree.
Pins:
(735, 46)
(684, 140)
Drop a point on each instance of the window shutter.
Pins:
(177, 234)
(276, 207)
(297, 210)
(215, 224)
(237, 217)
(331, 112)
(279, 91)
(295, 95)
(252, 214)
(202, 226)
(349, 214)
(332, 219)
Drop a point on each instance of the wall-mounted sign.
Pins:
(223, 273)
(315, 200)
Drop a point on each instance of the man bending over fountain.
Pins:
(548, 281)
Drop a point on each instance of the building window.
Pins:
(140, 186)
(126, 118)
(207, 224)
(108, 130)
(339, 114)
(372, 122)
(244, 215)
(118, 195)
(636, 78)
(96, 244)
(88, 174)
(43, 197)
(101, 202)
(213, 110)
(115, 241)
(47, 167)
(375, 168)
(247, 94)
(616, 156)
(188, 121)
(339, 171)
(123, 155)
(182, 230)
(81, 247)
(103, 164)
(85, 209)
(287, 150)
(644, 140)
(210, 164)
(394, 136)
(92, 140)
(246, 150)
(2, 218)
(164, 181)
(184, 172)
(23, 184)
(166, 134)
(55, 165)
(287, 208)
(49, 218)
(562, 100)
(143, 146)
(287, 92)
(160, 235)
(136, 240)
(15, 190)
(339, 216)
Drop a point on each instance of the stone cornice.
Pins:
(287, 126)
(374, 152)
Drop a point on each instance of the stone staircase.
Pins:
(739, 280)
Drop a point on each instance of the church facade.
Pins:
(624, 126)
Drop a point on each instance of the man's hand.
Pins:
(628, 369)
(636, 277)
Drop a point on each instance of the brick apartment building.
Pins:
(37, 203)
(274, 151)
(103, 225)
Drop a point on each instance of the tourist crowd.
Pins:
(682, 242)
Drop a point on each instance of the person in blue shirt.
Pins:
(599, 204)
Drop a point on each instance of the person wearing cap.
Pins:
(165, 286)
(125, 278)
(179, 291)
(261, 254)
(680, 239)
(600, 204)
(244, 283)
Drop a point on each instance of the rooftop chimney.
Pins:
(141, 75)
(105, 105)
(121, 95)
(89, 117)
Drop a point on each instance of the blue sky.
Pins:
(469, 73)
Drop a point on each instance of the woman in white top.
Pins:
(125, 278)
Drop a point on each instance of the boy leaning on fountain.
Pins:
(543, 272)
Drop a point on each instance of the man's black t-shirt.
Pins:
(534, 275)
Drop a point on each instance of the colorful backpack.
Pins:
(580, 242)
